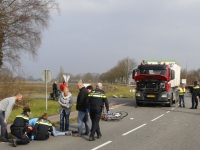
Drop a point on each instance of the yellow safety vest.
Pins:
(181, 91)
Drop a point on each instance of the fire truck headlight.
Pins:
(164, 96)
(137, 94)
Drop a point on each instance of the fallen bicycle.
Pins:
(114, 116)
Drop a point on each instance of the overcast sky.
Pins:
(93, 35)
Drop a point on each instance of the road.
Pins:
(149, 127)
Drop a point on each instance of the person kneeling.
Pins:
(19, 128)
(42, 128)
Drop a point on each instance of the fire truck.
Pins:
(157, 81)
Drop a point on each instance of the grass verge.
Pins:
(38, 107)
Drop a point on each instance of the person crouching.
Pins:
(42, 128)
(19, 128)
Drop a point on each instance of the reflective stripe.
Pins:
(97, 95)
(196, 87)
(44, 122)
(22, 116)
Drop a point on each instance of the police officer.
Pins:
(97, 98)
(195, 91)
(181, 96)
(19, 128)
(42, 128)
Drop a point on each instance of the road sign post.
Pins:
(46, 77)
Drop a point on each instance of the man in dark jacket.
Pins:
(81, 106)
(55, 89)
(195, 91)
(97, 99)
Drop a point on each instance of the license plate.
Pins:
(151, 96)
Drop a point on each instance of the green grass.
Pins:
(38, 107)
(121, 91)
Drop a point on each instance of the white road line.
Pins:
(101, 145)
(167, 111)
(172, 109)
(133, 130)
(157, 117)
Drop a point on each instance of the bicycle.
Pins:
(51, 96)
(114, 116)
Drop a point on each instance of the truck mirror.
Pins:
(135, 72)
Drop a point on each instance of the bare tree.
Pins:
(125, 68)
(60, 75)
(121, 72)
(21, 26)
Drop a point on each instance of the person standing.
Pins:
(55, 89)
(66, 101)
(6, 106)
(81, 106)
(181, 96)
(195, 91)
(63, 86)
(89, 88)
(42, 128)
(97, 99)
(19, 128)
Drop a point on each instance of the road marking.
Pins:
(133, 130)
(167, 111)
(157, 117)
(172, 109)
(101, 145)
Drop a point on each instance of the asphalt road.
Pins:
(149, 127)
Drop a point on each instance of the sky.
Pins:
(93, 35)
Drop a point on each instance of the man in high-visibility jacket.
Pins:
(97, 100)
(42, 128)
(195, 91)
(181, 96)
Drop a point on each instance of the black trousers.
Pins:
(194, 101)
(41, 136)
(22, 138)
(95, 115)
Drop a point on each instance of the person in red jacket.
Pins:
(63, 86)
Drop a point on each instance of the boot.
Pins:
(91, 139)
(184, 106)
(14, 142)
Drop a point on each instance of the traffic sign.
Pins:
(46, 76)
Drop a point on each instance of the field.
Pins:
(110, 89)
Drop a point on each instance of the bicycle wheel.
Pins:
(123, 114)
